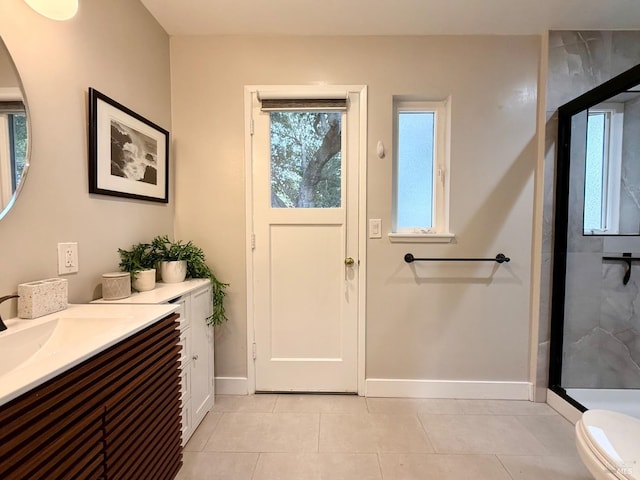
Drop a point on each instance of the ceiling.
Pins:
(391, 17)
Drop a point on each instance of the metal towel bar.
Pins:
(626, 258)
(500, 258)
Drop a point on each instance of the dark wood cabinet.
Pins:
(115, 416)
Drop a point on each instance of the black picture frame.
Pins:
(128, 154)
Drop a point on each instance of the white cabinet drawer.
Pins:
(186, 422)
(183, 311)
(185, 382)
(185, 343)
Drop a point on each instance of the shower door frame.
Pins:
(626, 80)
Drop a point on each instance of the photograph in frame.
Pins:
(128, 154)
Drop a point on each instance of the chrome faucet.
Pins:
(2, 299)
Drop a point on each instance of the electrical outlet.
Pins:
(67, 258)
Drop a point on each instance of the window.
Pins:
(306, 150)
(603, 169)
(13, 146)
(421, 167)
(18, 141)
(306, 159)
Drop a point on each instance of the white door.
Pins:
(305, 255)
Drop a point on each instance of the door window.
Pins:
(306, 159)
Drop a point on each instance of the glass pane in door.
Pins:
(306, 159)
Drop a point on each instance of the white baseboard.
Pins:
(563, 407)
(381, 387)
(231, 386)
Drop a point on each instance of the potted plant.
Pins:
(173, 258)
(164, 250)
(140, 262)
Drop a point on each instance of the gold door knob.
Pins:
(349, 261)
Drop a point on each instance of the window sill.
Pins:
(422, 237)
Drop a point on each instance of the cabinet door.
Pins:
(201, 355)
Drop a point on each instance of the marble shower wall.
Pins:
(602, 316)
(602, 326)
(602, 346)
(630, 188)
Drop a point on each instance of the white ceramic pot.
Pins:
(144, 280)
(173, 272)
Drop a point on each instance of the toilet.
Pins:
(609, 444)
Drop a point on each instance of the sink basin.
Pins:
(35, 342)
(18, 346)
(33, 351)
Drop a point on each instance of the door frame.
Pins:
(308, 91)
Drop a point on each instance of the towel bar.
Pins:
(499, 258)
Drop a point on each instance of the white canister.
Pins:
(144, 280)
(116, 285)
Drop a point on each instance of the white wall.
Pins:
(430, 321)
(8, 78)
(117, 47)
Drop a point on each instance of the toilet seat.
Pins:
(609, 444)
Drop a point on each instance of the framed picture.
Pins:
(128, 154)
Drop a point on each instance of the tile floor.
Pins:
(332, 437)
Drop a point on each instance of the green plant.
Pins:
(163, 249)
(168, 251)
(141, 256)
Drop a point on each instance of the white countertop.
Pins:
(163, 292)
(36, 350)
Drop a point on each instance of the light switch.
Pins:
(375, 228)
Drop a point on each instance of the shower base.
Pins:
(625, 401)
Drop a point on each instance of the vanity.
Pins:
(92, 391)
(193, 301)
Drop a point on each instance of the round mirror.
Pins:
(14, 132)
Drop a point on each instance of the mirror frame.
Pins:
(618, 84)
(7, 208)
